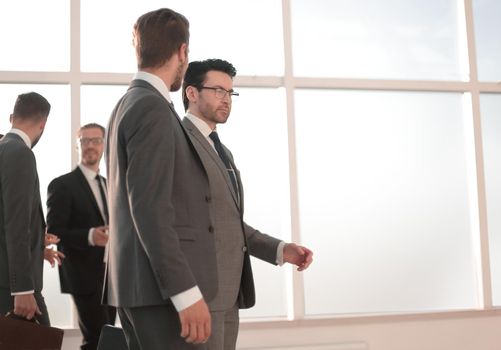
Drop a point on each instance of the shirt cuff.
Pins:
(187, 298)
(91, 241)
(23, 293)
(280, 253)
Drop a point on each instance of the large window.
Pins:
(383, 39)
(365, 130)
(395, 203)
(491, 129)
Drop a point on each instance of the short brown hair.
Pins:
(92, 126)
(31, 105)
(158, 35)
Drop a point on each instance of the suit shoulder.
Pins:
(18, 152)
(144, 94)
(63, 179)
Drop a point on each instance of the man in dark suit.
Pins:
(22, 225)
(162, 264)
(77, 213)
(207, 97)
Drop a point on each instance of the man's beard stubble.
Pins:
(176, 85)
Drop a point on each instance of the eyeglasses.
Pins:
(96, 141)
(220, 92)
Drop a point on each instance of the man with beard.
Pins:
(22, 226)
(77, 213)
(162, 265)
(207, 97)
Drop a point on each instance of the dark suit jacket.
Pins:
(22, 226)
(161, 234)
(71, 211)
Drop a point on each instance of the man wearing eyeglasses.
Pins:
(77, 212)
(207, 97)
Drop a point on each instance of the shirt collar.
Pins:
(22, 135)
(200, 124)
(156, 82)
(89, 174)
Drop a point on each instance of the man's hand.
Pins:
(53, 256)
(195, 323)
(51, 239)
(26, 306)
(100, 236)
(300, 256)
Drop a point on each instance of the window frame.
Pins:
(296, 313)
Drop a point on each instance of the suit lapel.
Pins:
(194, 132)
(84, 184)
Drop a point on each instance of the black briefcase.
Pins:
(17, 334)
(112, 338)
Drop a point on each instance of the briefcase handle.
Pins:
(12, 315)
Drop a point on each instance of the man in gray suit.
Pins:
(162, 263)
(207, 96)
(22, 226)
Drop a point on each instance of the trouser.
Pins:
(92, 316)
(154, 328)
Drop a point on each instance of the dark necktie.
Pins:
(224, 157)
(103, 199)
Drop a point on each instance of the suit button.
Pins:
(211, 229)
(244, 249)
(207, 199)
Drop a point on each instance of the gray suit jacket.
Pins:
(22, 226)
(161, 234)
(234, 238)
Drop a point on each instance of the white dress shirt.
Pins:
(90, 176)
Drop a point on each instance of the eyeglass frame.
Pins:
(86, 141)
(217, 90)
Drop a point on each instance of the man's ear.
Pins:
(191, 93)
(42, 123)
(183, 52)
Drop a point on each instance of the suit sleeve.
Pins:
(20, 183)
(151, 149)
(59, 206)
(261, 245)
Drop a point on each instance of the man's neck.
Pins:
(196, 113)
(94, 168)
(162, 73)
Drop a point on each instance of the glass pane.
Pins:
(53, 154)
(260, 152)
(104, 31)
(491, 133)
(386, 201)
(409, 39)
(487, 33)
(36, 35)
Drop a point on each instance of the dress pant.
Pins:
(7, 305)
(154, 328)
(224, 329)
(92, 316)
